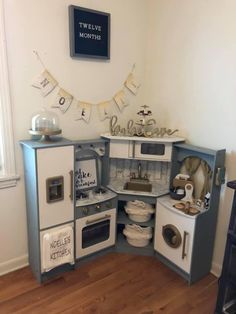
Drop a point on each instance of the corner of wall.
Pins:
(216, 269)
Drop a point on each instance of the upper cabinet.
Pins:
(141, 148)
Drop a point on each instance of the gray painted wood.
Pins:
(31, 195)
(205, 223)
(30, 148)
(205, 227)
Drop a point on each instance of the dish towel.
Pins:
(57, 248)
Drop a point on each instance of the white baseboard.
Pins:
(216, 269)
(22, 261)
(13, 264)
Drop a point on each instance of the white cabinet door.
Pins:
(121, 149)
(181, 255)
(55, 162)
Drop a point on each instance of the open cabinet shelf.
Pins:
(123, 218)
(123, 246)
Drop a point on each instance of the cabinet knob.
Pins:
(98, 207)
(85, 211)
(108, 205)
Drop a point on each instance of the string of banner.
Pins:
(63, 100)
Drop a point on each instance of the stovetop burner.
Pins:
(93, 196)
(100, 191)
(81, 195)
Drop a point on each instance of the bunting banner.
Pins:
(84, 111)
(104, 109)
(121, 100)
(63, 100)
(45, 82)
(131, 84)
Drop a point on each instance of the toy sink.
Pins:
(138, 185)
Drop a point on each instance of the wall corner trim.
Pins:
(216, 269)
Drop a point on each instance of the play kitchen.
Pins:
(144, 196)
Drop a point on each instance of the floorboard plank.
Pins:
(114, 283)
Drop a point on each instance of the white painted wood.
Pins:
(165, 215)
(81, 223)
(130, 147)
(52, 162)
(120, 149)
(144, 139)
(14, 264)
(7, 149)
(165, 157)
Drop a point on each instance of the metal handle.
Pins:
(133, 149)
(71, 184)
(89, 222)
(184, 244)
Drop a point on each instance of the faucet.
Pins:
(139, 171)
(139, 176)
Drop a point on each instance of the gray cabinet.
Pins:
(135, 172)
(123, 219)
(192, 258)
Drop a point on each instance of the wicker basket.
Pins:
(137, 236)
(139, 211)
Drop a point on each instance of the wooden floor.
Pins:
(114, 283)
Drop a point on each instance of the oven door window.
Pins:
(171, 236)
(152, 149)
(95, 233)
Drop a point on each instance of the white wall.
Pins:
(191, 75)
(185, 59)
(43, 26)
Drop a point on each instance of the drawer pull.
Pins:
(71, 184)
(92, 221)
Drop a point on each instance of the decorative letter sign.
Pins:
(89, 33)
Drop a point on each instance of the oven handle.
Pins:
(71, 185)
(184, 254)
(92, 221)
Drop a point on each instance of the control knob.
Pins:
(108, 205)
(85, 211)
(98, 207)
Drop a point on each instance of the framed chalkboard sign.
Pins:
(89, 33)
(86, 174)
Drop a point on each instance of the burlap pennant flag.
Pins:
(63, 100)
(131, 84)
(121, 100)
(45, 82)
(84, 111)
(104, 109)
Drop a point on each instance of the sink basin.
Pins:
(138, 186)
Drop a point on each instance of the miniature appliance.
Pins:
(95, 204)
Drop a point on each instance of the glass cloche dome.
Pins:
(45, 123)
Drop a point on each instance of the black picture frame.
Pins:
(89, 33)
